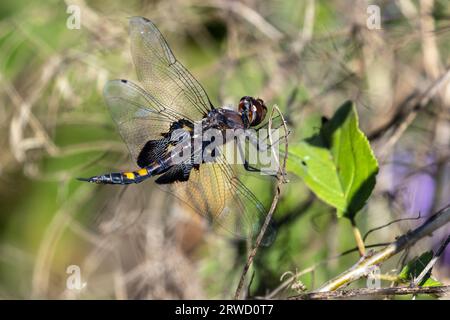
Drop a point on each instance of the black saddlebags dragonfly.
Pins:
(171, 99)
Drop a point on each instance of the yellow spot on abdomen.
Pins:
(142, 172)
(129, 175)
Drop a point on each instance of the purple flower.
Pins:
(412, 183)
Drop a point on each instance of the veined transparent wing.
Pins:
(169, 91)
(162, 75)
(139, 116)
(215, 192)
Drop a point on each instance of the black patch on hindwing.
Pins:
(155, 150)
(152, 151)
(176, 173)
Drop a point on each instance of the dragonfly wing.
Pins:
(169, 93)
(162, 75)
(138, 115)
(215, 192)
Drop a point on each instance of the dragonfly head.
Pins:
(253, 111)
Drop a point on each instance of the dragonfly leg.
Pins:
(247, 165)
(250, 168)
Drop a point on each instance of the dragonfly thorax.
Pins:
(223, 119)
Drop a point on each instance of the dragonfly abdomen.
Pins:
(122, 177)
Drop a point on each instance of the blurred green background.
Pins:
(307, 57)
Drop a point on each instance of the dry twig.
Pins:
(366, 292)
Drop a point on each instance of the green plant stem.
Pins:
(358, 238)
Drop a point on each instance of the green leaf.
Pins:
(337, 164)
(431, 282)
(415, 267)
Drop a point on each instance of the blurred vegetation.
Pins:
(308, 57)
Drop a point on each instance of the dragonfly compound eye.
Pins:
(245, 104)
(258, 112)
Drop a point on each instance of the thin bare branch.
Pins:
(388, 224)
(432, 262)
(366, 292)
